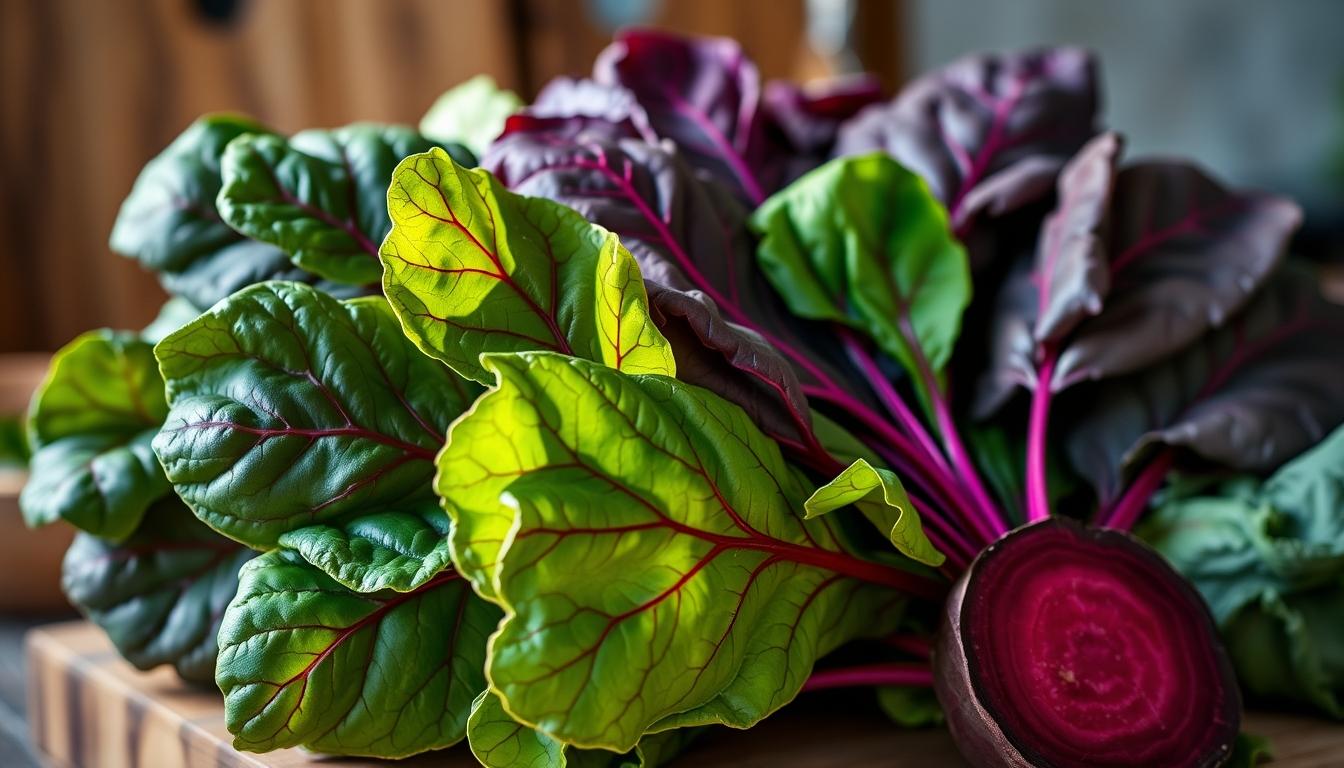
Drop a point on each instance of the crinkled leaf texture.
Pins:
(651, 558)
(988, 133)
(879, 495)
(320, 196)
(159, 594)
(695, 253)
(473, 268)
(90, 426)
(395, 549)
(169, 222)
(498, 741)
(291, 408)
(861, 241)
(1247, 396)
(305, 661)
(1130, 268)
(1269, 559)
(471, 113)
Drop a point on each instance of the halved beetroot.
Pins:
(1070, 646)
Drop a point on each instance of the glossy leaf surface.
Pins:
(674, 493)
(472, 268)
(860, 241)
(878, 493)
(90, 426)
(291, 408)
(397, 550)
(320, 196)
(305, 661)
(159, 594)
(169, 222)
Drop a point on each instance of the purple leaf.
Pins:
(570, 107)
(802, 122)
(988, 133)
(1181, 255)
(1248, 396)
(704, 94)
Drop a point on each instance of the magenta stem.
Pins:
(889, 397)
(990, 516)
(944, 538)
(869, 675)
(936, 485)
(1038, 495)
(1126, 511)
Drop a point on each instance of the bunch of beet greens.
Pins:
(687, 382)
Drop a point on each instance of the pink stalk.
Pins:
(868, 675)
(1038, 496)
(961, 461)
(1125, 512)
(941, 491)
(944, 537)
(889, 397)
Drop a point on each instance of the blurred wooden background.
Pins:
(90, 90)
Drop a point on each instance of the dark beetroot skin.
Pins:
(1069, 646)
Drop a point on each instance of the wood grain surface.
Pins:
(90, 709)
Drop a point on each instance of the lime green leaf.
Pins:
(499, 741)
(471, 113)
(657, 573)
(472, 268)
(90, 426)
(877, 493)
(158, 595)
(290, 408)
(386, 550)
(320, 196)
(304, 661)
(862, 241)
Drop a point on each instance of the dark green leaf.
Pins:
(634, 528)
(386, 550)
(1250, 751)
(90, 427)
(290, 408)
(473, 268)
(160, 593)
(306, 662)
(861, 241)
(169, 222)
(320, 196)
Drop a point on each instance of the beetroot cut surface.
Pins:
(1070, 646)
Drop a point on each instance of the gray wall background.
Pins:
(1253, 89)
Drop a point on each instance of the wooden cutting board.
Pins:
(89, 709)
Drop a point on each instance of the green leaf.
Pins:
(169, 222)
(1250, 750)
(90, 426)
(472, 268)
(306, 662)
(14, 449)
(320, 196)
(386, 550)
(657, 572)
(910, 706)
(862, 241)
(158, 595)
(499, 741)
(175, 313)
(881, 498)
(1289, 649)
(290, 408)
(471, 113)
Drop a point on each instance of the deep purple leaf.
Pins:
(1182, 255)
(988, 133)
(704, 94)
(1248, 396)
(802, 122)
(569, 107)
